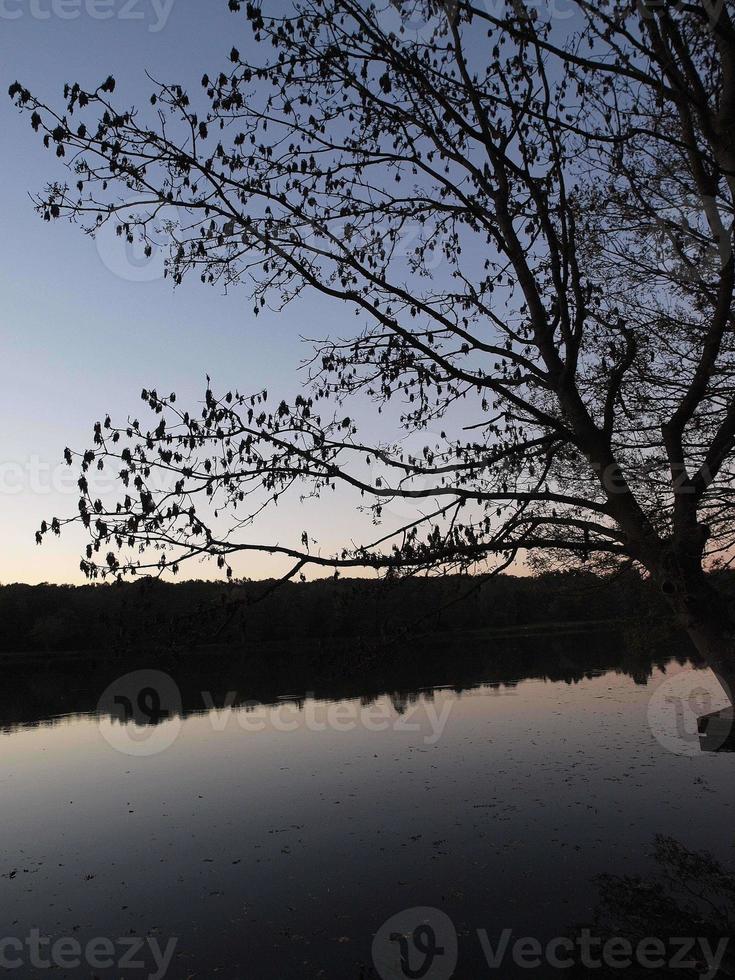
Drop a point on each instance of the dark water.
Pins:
(273, 840)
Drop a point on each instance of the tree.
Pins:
(688, 889)
(576, 180)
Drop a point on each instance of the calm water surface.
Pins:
(275, 840)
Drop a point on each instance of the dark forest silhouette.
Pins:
(151, 613)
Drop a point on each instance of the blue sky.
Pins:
(83, 329)
(85, 325)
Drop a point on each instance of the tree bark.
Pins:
(704, 613)
(716, 648)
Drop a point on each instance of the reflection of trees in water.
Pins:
(689, 895)
(271, 673)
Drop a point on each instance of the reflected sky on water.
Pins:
(274, 837)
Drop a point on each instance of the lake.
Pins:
(265, 816)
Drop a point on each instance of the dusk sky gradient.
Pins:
(81, 336)
(86, 324)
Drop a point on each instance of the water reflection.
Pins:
(688, 902)
(717, 731)
(43, 692)
(279, 851)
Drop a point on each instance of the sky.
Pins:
(86, 325)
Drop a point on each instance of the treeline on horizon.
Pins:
(120, 617)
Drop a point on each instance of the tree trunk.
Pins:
(716, 649)
(705, 614)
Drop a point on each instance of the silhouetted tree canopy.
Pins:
(563, 315)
